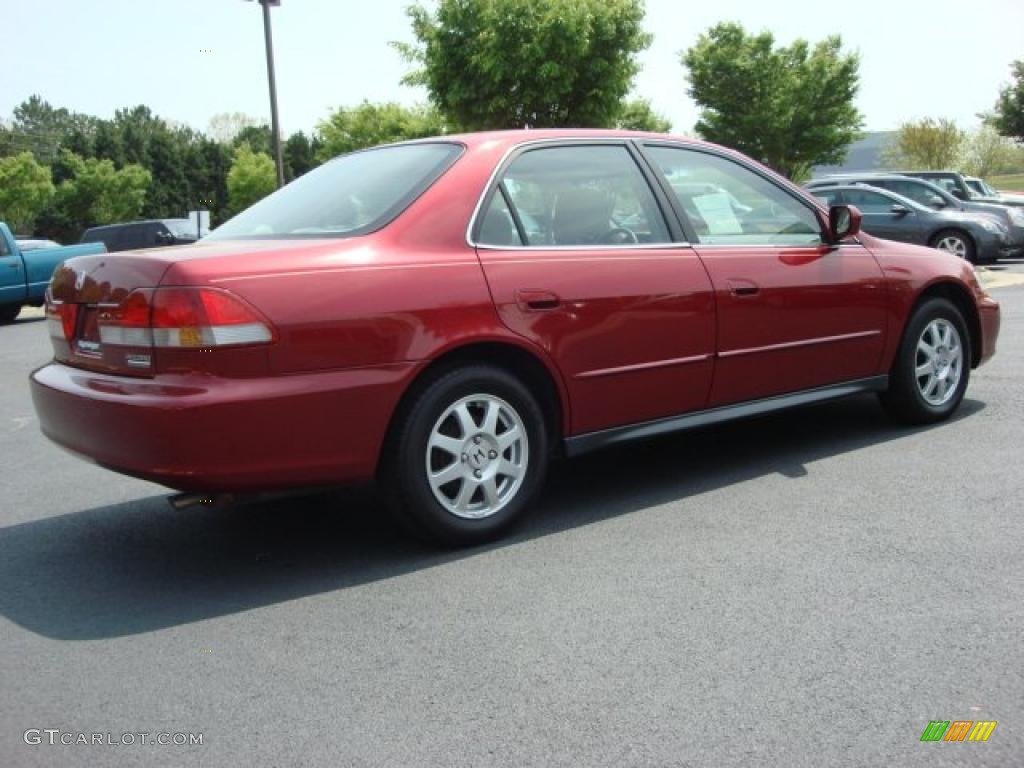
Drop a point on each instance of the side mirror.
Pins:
(843, 222)
(958, 194)
(899, 210)
(164, 238)
(937, 202)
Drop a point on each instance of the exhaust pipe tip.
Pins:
(180, 501)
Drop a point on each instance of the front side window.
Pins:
(728, 204)
(576, 196)
(351, 195)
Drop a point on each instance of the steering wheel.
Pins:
(619, 236)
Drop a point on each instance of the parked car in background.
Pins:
(31, 243)
(927, 193)
(971, 236)
(25, 272)
(135, 235)
(952, 181)
(984, 190)
(388, 315)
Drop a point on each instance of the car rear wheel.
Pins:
(956, 242)
(932, 367)
(468, 456)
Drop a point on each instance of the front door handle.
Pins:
(742, 288)
(537, 301)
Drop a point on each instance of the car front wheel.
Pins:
(932, 367)
(468, 457)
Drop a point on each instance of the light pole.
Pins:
(275, 126)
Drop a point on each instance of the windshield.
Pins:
(351, 195)
(181, 228)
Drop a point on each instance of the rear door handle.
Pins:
(536, 301)
(743, 288)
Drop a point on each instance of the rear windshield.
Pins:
(349, 196)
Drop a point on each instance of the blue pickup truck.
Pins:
(24, 275)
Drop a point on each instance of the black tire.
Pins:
(404, 477)
(969, 252)
(904, 400)
(9, 313)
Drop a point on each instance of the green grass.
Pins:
(1012, 183)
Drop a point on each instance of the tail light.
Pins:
(179, 317)
(61, 319)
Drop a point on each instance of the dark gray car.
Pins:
(971, 236)
(927, 194)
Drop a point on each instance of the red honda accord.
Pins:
(445, 315)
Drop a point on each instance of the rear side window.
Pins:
(868, 201)
(574, 196)
(917, 191)
(352, 195)
(728, 204)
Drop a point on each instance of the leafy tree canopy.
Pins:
(789, 107)
(926, 145)
(251, 178)
(637, 115)
(26, 188)
(490, 64)
(1009, 111)
(352, 128)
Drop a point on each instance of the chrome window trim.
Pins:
(623, 142)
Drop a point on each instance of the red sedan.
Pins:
(446, 315)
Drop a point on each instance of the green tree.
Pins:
(300, 154)
(789, 107)
(98, 193)
(367, 125)
(1009, 110)
(42, 129)
(926, 145)
(637, 115)
(512, 63)
(26, 188)
(986, 152)
(251, 178)
(225, 126)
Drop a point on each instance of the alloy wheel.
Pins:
(939, 362)
(477, 456)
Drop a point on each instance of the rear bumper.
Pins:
(204, 433)
(988, 314)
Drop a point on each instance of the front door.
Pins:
(12, 274)
(581, 260)
(793, 312)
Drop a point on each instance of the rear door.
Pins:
(581, 260)
(793, 312)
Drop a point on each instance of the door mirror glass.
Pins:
(843, 222)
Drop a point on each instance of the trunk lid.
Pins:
(85, 286)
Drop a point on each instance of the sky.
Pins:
(191, 59)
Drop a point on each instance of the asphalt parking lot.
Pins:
(807, 589)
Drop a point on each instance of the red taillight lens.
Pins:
(61, 319)
(183, 317)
